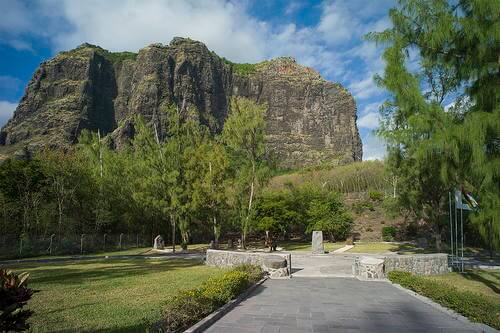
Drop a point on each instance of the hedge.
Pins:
(474, 306)
(186, 308)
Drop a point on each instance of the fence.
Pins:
(13, 246)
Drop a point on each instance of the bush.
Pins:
(474, 306)
(220, 290)
(376, 196)
(388, 233)
(361, 206)
(14, 295)
(254, 273)
(188, 307)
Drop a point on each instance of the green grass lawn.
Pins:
(486, 282)
(107, 296)
(375, 247)
(474, 294)
(306, 246)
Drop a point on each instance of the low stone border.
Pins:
(479, 326)
(206, 322)
(225, 258)
(378, 266)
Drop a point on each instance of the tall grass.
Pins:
(355, 177)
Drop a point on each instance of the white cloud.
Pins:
(6, 111)
(372, 107)
(374, 148)
(337, 24)
(293, 7)
(369, 120)
(365, 88)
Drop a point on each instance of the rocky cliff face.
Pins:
(309, 121)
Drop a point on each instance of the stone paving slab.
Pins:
(335, 305)
(343, 249)
(327, 265)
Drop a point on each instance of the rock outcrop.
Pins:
(309, 121)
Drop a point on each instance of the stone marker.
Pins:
(317, 242)
(158, 244)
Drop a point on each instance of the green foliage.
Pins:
(329, 215)
(433, 150)
(244, 69)
(188, 307)
(241, 69)
(355, 177)
(389, 233)
(376, 196)
(474, 306)
(220, 290)
(14, 295)
(361, 206)
(121, 56)
(254, 272)
(304, 208)
(243, 134)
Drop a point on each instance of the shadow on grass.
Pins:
(489, 279)
(80, 272)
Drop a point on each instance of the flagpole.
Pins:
(462, 231)
(456, 230)
(451, 228)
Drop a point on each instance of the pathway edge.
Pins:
(209, 320)
(479, 326)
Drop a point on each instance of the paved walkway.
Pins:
(335, 305)
(324, 265)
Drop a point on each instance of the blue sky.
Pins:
(325, 35)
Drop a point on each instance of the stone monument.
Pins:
(158, 244)
(317, 242)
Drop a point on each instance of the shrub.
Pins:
(14, 295)
(184, 310)
(187, 307)
(361, 206)
(388, 233)
(474, 306)
(376, 196)
(220, 290)
(254, 273)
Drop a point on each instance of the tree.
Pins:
(243, 133)
(61, 170)
(208, 176)
(433, 149)
(275, 214)
(328, 214)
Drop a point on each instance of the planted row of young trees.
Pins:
(183, 176)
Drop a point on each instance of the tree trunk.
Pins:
(216, 233)
(172, 221)
(245, 226)
(60, 217)
(437, 235)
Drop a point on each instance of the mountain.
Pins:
(310, 121)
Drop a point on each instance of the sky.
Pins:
(324, 35)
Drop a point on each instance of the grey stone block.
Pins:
(317, 242)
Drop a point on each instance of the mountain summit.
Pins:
(310, 121)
